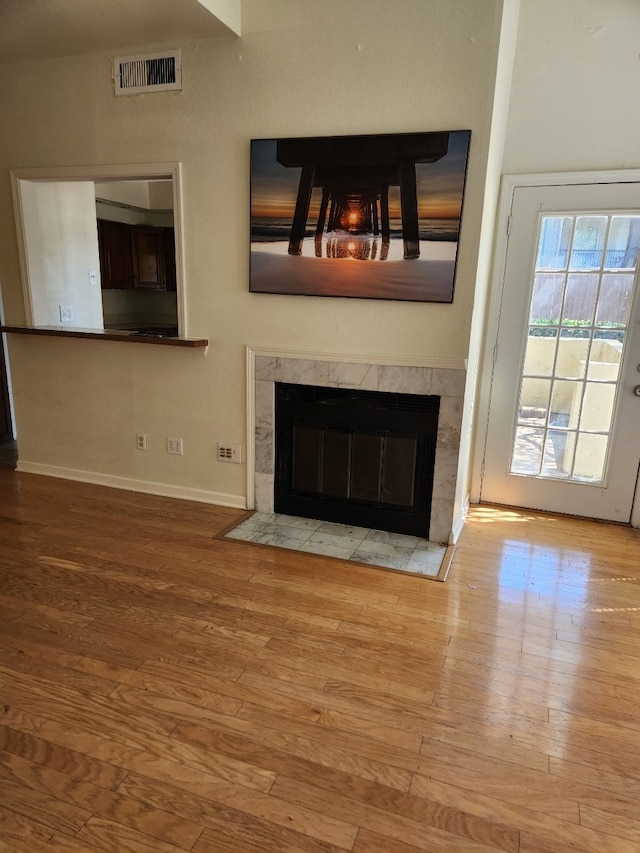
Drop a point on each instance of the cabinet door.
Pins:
(147, 250)
(170, 257)
(114, 243)
(5, 414)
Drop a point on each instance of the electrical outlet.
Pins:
(66, 313)
(230, 453)
(174, 445)
(141, 440)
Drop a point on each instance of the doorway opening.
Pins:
(101, 247)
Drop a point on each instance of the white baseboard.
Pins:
(459, 522)
(163, 489)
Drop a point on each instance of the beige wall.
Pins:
(301, 68)
(575, 85)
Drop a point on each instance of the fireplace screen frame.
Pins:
(388, 420)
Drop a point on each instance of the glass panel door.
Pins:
(562, 431)
(578, 318)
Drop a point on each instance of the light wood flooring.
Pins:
(164, 690)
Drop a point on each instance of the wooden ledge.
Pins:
(106, 335)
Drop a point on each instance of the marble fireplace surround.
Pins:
(442, 377)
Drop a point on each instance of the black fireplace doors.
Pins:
(362, 458)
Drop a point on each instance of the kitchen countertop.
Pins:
(119, 335)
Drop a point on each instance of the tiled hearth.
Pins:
(374, 547)
(447, 382)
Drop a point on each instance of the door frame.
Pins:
(509, 184)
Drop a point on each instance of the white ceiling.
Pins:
(43, 29)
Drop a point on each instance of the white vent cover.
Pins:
(158, 72)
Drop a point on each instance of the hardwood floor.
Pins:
(164, 690)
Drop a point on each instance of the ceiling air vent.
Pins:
(158, 72)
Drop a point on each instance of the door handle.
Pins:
(636, 390)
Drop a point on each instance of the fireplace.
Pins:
(357, 457)
(441, 377)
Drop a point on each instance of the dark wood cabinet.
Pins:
(114, 243)
(170, 257)
(136, 256)
(6, 431)
(147, 254)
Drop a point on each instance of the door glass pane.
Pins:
(604, 360)
(534, 401)
(597, 408)
(623, 242)
(527, 451)
(565, 403)
(555, 239)
(588, 242)
(557, 454)
(576, 331)
(580, 299)
(591, 454)
(614, 302)
(541, 351)
(546, 299)
(572, 353)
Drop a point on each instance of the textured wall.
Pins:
(575, 87)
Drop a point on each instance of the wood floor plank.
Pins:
(194, 768)
(97, 800)
(164, 689)
(553, 833)
(371, 842)
(19, 834)
(316, 747)
(48, 811)
(101, 834)
(14, 662)
(77, 765)
(615, 783)
(380, 809)
(336, 712)
(622, 825)
(531, 842)
(189, 688)
(424, 835)
(226, 825)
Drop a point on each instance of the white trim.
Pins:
(251, 428)
(142, 171)
(22, 248)
(348, 358)
(509, 184)
(459, 522)
(146, 171)
(178, 239)
(163, 489)
(483, 400)
(561, 179)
